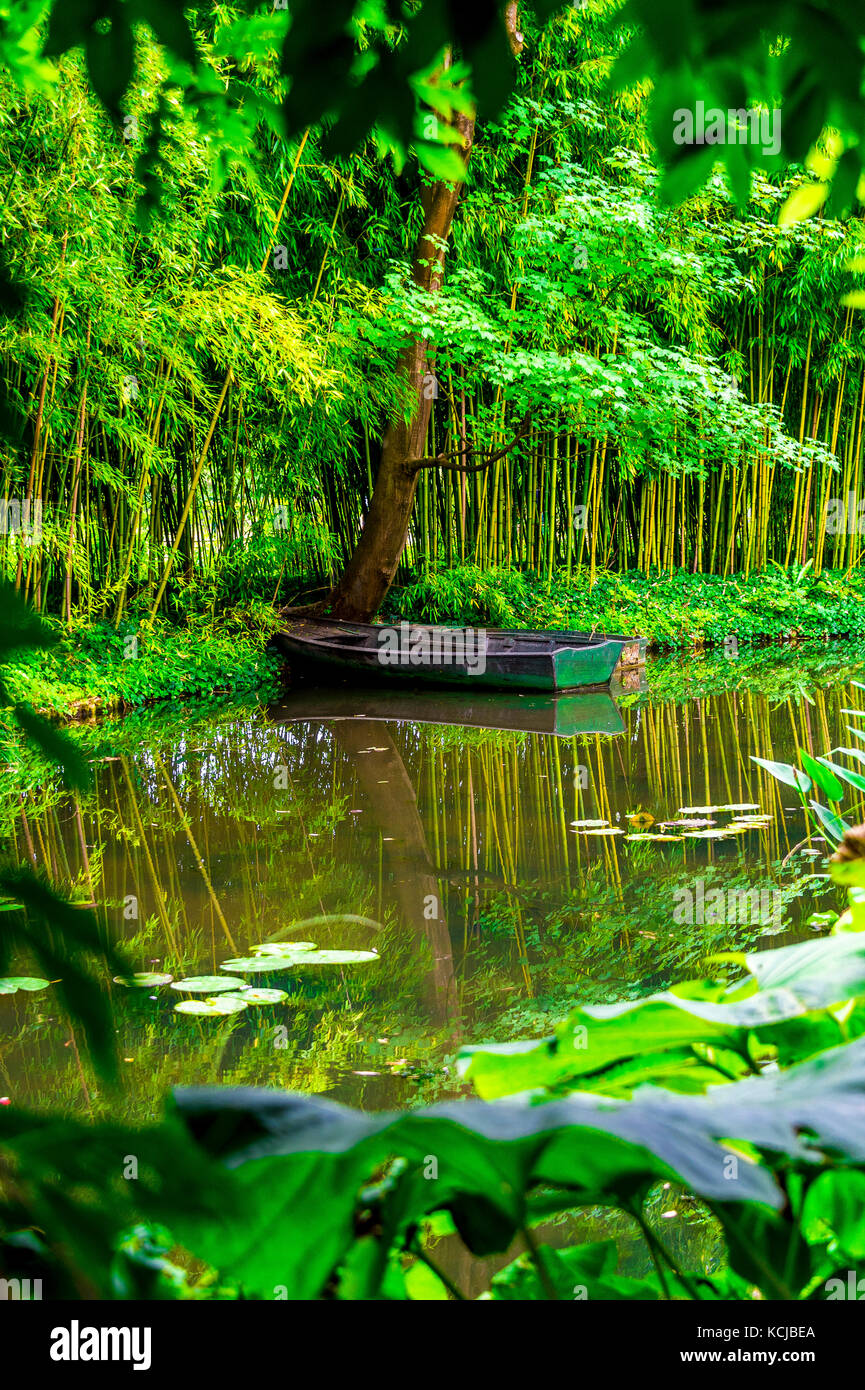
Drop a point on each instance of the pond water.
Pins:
(495, 854)
(209, 831)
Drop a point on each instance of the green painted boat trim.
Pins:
(469, 659)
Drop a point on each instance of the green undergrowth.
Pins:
(97, 669)
(678, 610)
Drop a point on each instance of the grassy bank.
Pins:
(675, 611)
(95, 669)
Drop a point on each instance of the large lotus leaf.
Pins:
(588, 1272)
(835, 1208)
(677, 1070)
(248, 1124)
(778, 1112)
(487, 1158)
(820, 972)
(595, 1038)
(298, 1220)
(823, 1097)
(584, 1272)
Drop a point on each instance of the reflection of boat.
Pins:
(465, 657)
(590, 712)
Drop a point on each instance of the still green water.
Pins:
(211, 830)
(465, 835)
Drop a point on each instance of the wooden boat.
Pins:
(587, 712)
(475, 658)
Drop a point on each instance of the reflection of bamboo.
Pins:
(609, 846)
(84, 855)
(474, 839)
(560, 807)
(131, 860)
(504, 848)
(195, 850)
(154, 877)
(385, 782)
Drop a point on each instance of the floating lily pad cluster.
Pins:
(692, 823)
(230, 993)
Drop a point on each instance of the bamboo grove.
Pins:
(198, 401)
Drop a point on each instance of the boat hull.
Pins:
(551, 662)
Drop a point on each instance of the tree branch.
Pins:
(448, 460)
(306, 610)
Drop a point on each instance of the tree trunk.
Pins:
(371, 569)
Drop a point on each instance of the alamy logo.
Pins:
(20, 1290)
(433, 646)
(76, 1343)
(853, 1289)
(747, 906)
(21, 518)
(716, 127)
(845, 515)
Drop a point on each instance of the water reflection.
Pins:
(390, 797)
(447, 821)
(564, 715)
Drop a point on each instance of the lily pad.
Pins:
(665, 839)
(258, 996)
(12, 983)
(743, 806)
(603, 830)
(207, 984)
(282, 948)
(706, 834)
(211, 1008)
(252, 965)
(585, 824)
(336, 957)
(142, 980)
(698, 810)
